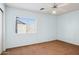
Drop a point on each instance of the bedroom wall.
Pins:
(46, 28)
(68, 27)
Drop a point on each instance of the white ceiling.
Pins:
(62, 7)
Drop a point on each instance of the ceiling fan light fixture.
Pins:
(54, 8)
(54, 11)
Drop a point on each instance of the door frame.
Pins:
(2, 31)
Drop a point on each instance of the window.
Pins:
(25, 25)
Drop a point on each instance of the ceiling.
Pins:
(61, 8)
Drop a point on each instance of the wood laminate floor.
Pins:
(48, 48)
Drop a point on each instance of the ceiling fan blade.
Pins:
(62, 5)
(61, 9)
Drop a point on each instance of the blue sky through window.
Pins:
(26, 20)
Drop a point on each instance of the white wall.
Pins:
(46, 28)
(68, 27)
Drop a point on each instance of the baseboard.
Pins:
(68, 42)
(31, 44)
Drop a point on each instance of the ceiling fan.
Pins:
(56, 6)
